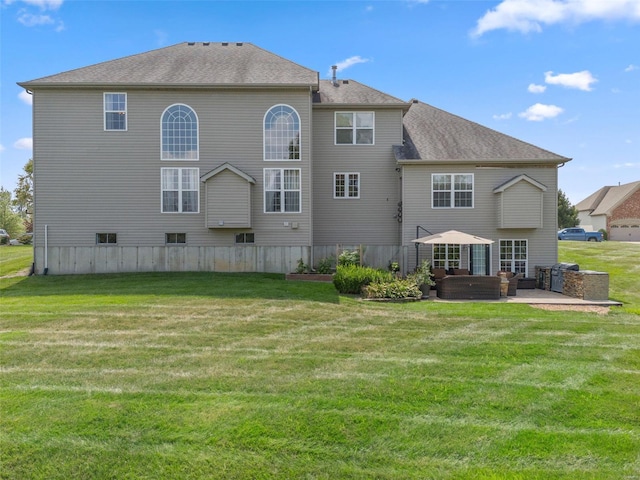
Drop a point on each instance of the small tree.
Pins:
(9, 220)
(23, 201)
(567, 213)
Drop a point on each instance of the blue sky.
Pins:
(561, 74)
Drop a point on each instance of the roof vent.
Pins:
(225, 44)
(205, 44)
(334, 81)
(345, 82)
(239, 44)
(415, 101)
(191, 44)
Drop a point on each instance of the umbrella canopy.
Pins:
(454, 237)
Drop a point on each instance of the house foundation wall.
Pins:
(268, 259)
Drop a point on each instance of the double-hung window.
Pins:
(514, 256)
(446, 255)
(452, 190)
(179, 133)
(282, 192)
(115, 111)
(346, 185)
(282, 134)
(354, 128)
(180, 190)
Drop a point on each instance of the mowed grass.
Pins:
(200, 375)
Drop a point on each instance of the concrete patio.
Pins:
(536, 296)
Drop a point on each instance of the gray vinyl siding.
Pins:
(88, 180)
(228, 201)
(520, 206)
(484, 218)
(369, 219)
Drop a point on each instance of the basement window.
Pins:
(175, 238)
(106, 238)
(245, 238)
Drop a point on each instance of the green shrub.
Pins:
(325, 265)
(604, 233)
(25, 239)
(397, 288)
(351, 278)
(422, 275)
(302, 267)
(349, 257)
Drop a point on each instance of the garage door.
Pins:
(625, 233)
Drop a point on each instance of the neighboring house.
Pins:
(226, 157)
(613, 209)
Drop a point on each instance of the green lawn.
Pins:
(200, 375)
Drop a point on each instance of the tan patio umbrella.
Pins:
(454, 237)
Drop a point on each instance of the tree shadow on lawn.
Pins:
(198, 284)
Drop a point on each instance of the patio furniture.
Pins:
(513, 282)
(469, 287)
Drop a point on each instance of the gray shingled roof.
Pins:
(350, 92)
(613, 197)
(190, 65)
(593, 200)
(433, 135)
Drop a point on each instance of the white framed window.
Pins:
(282, 192)
(106, 238)
(282, 133)
(514, 256)
(115, 111)
(446, 255)
(175, 238)
(179, 133)
(452, 190)
(242, 238)
(354, 128)
(180, 190)
(346, 185)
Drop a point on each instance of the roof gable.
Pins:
(190, 65)
(433, 135)
(518, 179)
(614, 197)
(224, 167)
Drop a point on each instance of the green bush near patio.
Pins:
(217, 376)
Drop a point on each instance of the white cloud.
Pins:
(369, 8)
(502, 116)
(580, 80)
(533, 88)
(527, 16)
(540, 112)
(161, 37)
(43, 4)
(1, 148)
(344, 64)
(631, 68)
(30, 20)
(25, 97)
(24, 144)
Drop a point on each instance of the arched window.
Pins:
(179, 133)
(282, 134)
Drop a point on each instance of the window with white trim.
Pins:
(514, 256)
(180, 190)
(281, 133)
(106, 238)
(354, 128)
(175, 238)
(179, 132)
(446, 255)
(451, 190)
(282, 192)
(346, 185)
(115, 111)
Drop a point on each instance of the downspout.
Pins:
(46, 249)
